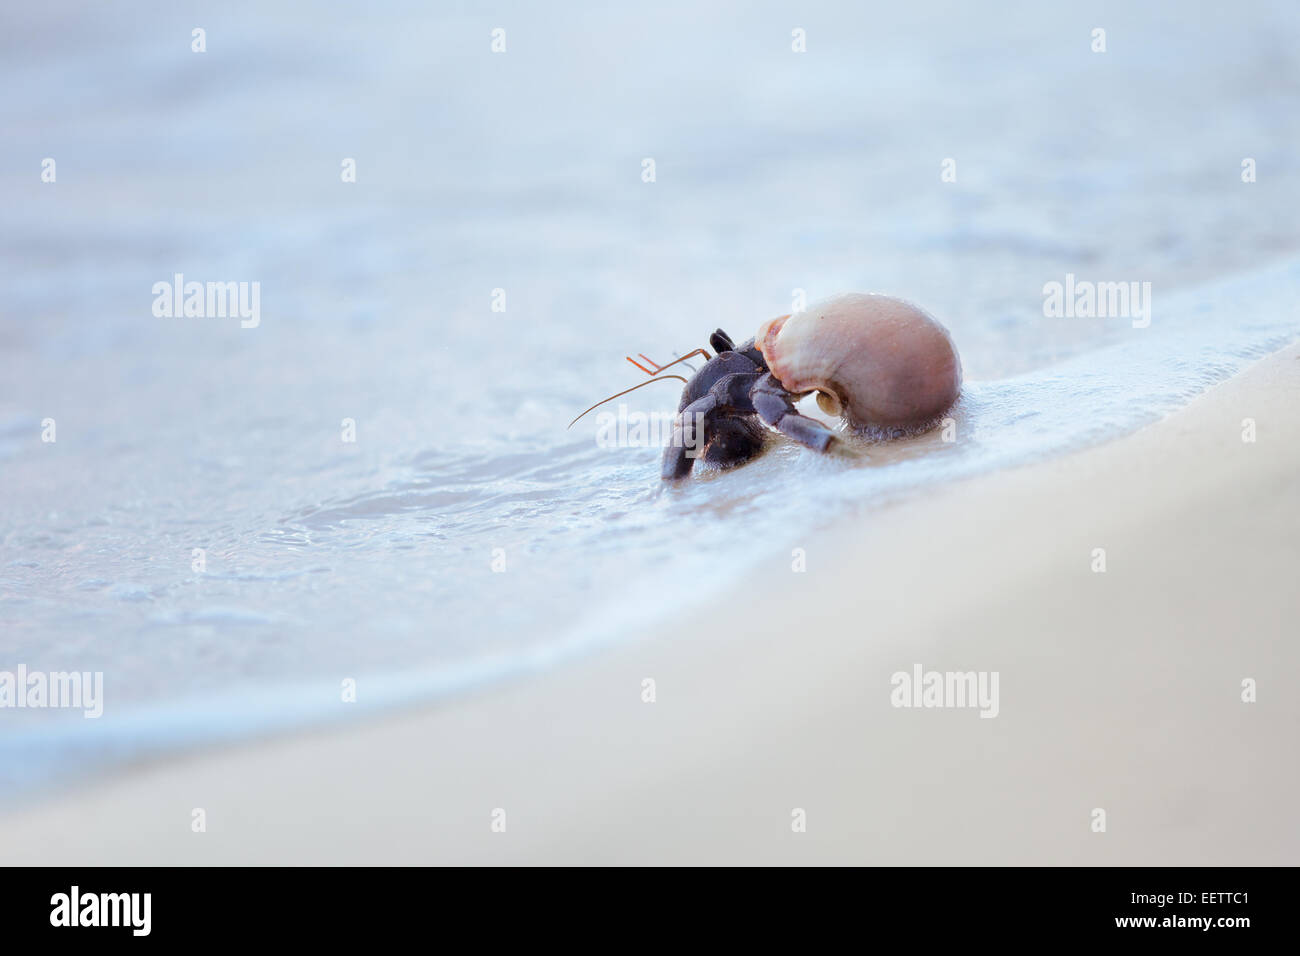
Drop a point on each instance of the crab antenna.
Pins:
(688, 365)
(624, 392)
(659, 368)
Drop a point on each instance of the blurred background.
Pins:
(775, 171)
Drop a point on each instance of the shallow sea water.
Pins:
(521, 171)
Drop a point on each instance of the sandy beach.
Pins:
(1118, 690)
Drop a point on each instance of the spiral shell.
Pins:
(873, 359)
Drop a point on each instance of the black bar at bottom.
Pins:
(334, 905)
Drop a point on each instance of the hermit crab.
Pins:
(875, 361)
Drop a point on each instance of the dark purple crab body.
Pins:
(721, 407)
